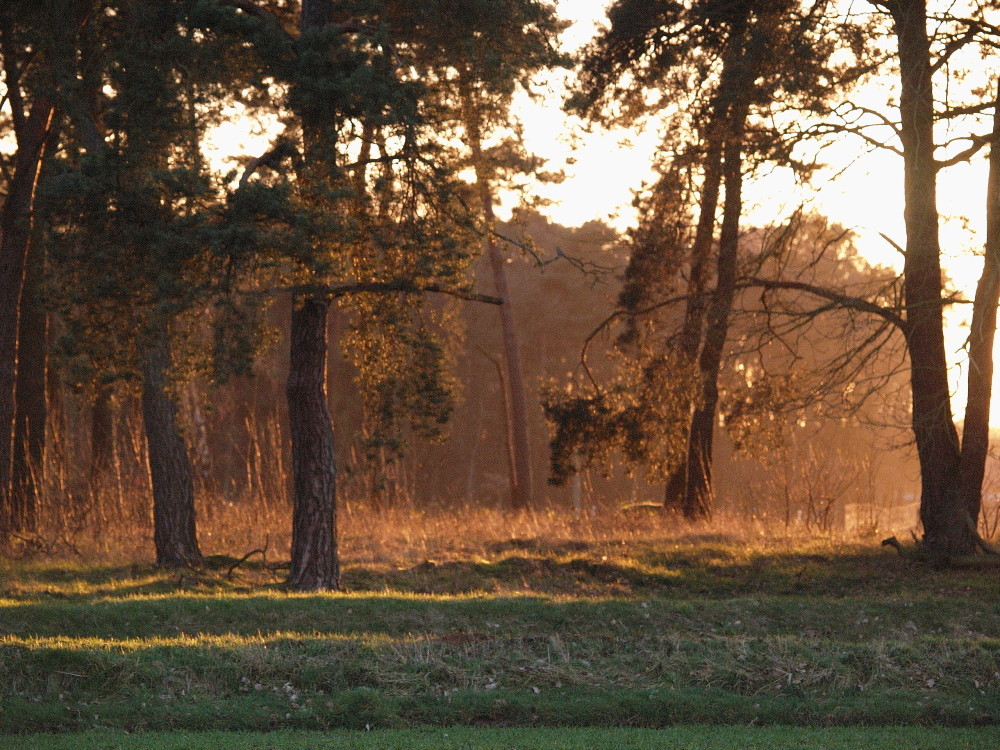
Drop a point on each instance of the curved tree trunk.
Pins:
(976, 429)
(946, 526)
(15, 234)
(689, 487)
(170, 466)
(315, 565)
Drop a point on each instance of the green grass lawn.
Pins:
(464, 738)
(532, 635)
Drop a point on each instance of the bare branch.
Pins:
(885, 119)
(954, 46)
(841, 300)
(596, 271)
(282, 148)
(978, 142)
(604, 324)
(827, 128)
(969, 109)
(892, 242)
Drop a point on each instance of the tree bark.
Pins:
(946, 527)
(522, 495)
(976, 429)
(15, 235)
(170, 466)
(698, 497)
(102, 437)
(102, 457)
(315, 564)
(31, 398)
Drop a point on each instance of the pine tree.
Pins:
(126, 215)
(374, 224)
(720, 67)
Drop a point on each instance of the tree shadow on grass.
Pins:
(708, 570)
(839, 595)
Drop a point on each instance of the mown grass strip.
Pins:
(143, 710)
(464, 738)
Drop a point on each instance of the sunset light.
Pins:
(480, 374)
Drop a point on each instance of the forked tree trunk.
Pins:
(689, 486)
(946, 523)
(315, 564)
(698, 497)
(694, 312)
(170, 466)
(15, 234)
(976, 429)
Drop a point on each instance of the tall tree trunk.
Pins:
(15, 234)
(522, 487)
(694, 312)
(315, 564)
(698, 495)
(170, 466)
(102, 456)
(522, 494)
(976, 429)
(31, 398)
(946, 528)
(689, 485)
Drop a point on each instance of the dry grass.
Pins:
(242, 506)
(405, 534)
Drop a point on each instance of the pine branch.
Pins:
(252, 9)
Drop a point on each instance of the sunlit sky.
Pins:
(603, 169)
